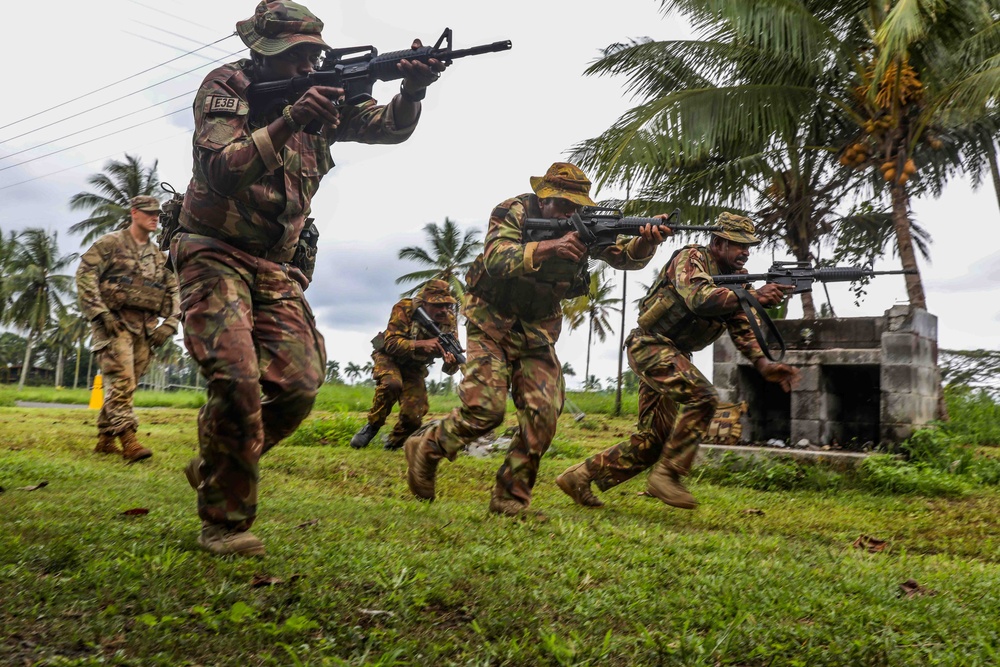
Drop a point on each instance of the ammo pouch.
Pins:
(378, 342)
(305, 250)
(135, 293)
(170, 217)
(725, 427)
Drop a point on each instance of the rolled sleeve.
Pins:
(262, 140)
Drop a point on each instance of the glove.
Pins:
(111, 324)
(160, 335)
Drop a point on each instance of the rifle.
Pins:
(801, 276)
(600, 226)
(449, 343)
(356, 75)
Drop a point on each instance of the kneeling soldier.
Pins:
(402, 354)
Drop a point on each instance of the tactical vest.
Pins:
(124, 286)
(416, 332)
(532, 297)
(663, 311)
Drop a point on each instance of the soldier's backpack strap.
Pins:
(750, 305)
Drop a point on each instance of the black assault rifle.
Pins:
(801, 276)
(356, 75)
(600, 226)
(449, 343)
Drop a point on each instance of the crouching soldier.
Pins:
(402, 354)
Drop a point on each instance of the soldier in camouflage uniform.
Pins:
(246, 320)
(402, 354)
(684, 311)
(124, 287)
(514, 314)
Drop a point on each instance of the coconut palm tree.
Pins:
(449, 255)
(38, 290)
(594, 310)
(67, 332)
(786, 108)
(8, 248)
(353, 371)
(114, 187)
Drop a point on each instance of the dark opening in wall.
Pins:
(769, 409)
(852, 398)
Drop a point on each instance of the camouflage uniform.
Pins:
(400, 370)
(683, 312)
(514, 317)
(118, 276)
(246, 320)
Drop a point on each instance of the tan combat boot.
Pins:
(575, 483)
(193, 472)
(132, 451)
(421, 466)
(106, 444)
(665, 483)
(500, 504)
(219, 540)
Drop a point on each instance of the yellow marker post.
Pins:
(97, 393)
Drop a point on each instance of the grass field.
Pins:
(369, 576)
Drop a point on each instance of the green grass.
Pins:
(380, 579)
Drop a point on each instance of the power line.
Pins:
(171, 33)
(97, 90)
(173, 16)
(112, 120)
(117, 99)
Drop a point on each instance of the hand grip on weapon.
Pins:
(568, 247)
(318, 103)
(781, 374)
(772, 294)
(653, 235)
(418, 75)
(111, 324)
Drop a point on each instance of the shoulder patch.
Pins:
(226, 105)
(499, 212)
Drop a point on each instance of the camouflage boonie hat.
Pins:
(566, 181)
(146, 203)
(278, 26)
(436, 291)
(736, 228)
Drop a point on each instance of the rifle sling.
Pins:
(750, 304)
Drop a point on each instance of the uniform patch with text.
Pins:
(229, 105)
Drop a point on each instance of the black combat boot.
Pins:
(364, 436)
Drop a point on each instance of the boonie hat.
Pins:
(436, 291)
(736, 228)
(278, 26)
(566, 181)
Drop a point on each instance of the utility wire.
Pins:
(112, 120)
(172, 34)
(97, 90)
(88, 141)
(117, 99)
(173, 16)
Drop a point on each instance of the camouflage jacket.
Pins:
(110, 268)
(506, 288)
(685, 306)
(246, 192)
(401, 332)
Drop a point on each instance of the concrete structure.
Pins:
(864, 380)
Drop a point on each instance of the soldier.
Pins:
(245, 214)
(683, 311)
(124, 287)
(514, 318)
(402, 354)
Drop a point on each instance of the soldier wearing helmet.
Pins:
(514, 316)
(243, 225)
(401, 356)
(682, 312)
(125, 287)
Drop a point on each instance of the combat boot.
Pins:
(501, 504)
(421, 465)
(665, 483)
(219, 540)
(132, 451)
(575, 483)
(193, 472)
(364, 436)
(106, 444)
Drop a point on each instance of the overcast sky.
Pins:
(490, 123)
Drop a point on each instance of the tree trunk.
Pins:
(621, 349)
(27, 360)
(586, 372)
(90, 368)
(994, 170)
(60, 361)
(76, 371)
(904, 240)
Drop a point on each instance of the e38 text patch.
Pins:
(229, 105)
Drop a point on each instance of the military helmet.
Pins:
(436, 291)
(147, 203)
(566, 181)
(278, 26)
(736, 228)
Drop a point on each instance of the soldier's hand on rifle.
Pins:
(318, 103)
(111, 324)
(448, 357)
(568, 247)
(418, 75)
(160, 335)
(782, 374)
(772, 294)
(428, 346)
(651, 236)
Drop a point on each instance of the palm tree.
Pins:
(37, 288)
(109, 205)
(8, 248)
(352, 370)
(68, 331)
(450, 254)
(785, 108)
(595, 310)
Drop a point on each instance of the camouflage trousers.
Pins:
(122, 361)
(403, 384)
(249, 328)
(676, 405)
(534, 377)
